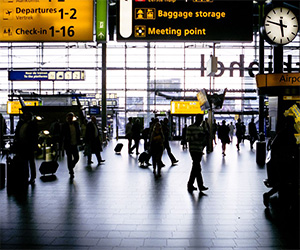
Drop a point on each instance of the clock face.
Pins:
(281, 25)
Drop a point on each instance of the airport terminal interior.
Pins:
(120, 204)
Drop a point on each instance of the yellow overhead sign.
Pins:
(46, 20)
(278, 80)
(14, 107)
(186, 107)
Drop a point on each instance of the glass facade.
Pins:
(143, 78)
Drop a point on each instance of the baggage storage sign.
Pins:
(171, 20)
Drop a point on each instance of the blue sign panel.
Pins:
(46, 75)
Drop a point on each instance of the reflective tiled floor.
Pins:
(121, 206)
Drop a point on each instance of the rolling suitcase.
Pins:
(48, 167)
(17, 173)
(144, 158)
(118, 148)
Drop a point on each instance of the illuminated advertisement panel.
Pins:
(46, 20)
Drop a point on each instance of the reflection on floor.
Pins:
(119, 205)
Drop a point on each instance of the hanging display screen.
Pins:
(46, 20)
(169, 20)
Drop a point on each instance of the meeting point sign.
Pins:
(171, 20)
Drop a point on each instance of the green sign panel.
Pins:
(171, 20)
(101, 20)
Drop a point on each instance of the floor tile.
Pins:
(121, 206)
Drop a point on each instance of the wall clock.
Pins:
(280, 26)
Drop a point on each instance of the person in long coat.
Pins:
(252, 132)
(93, 141)
(239, 133)
(157, 147)
(136, 136)
(128, 133)
(26, 143)
(223, 135)
(71, 139)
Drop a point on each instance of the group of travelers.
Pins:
(226, 131)
(68, 134)
(156, 140)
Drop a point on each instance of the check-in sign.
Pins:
(46, 20)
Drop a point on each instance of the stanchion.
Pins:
(261, 153)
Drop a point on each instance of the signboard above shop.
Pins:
(14, 107)
(169, 20)
(46, 75)
(279, 84)
(46, 20)
(278, 80)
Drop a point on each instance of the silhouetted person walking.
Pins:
(238, 133)
(25, 143)
(136, 136)
(157, 147)
(183, 140)
(231, 131)
(145, 137)
(166, 131)
(71, 138)
(206, 127)
(55, 132)
(214, 131)
(196, 139)
(243, 131)
(128, 133)
(93, 141)
(223, 135)
(252, 132)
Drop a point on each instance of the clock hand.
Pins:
(281, 27)
(279, 24)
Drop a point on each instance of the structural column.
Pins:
(261, 144)
(103, 104)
